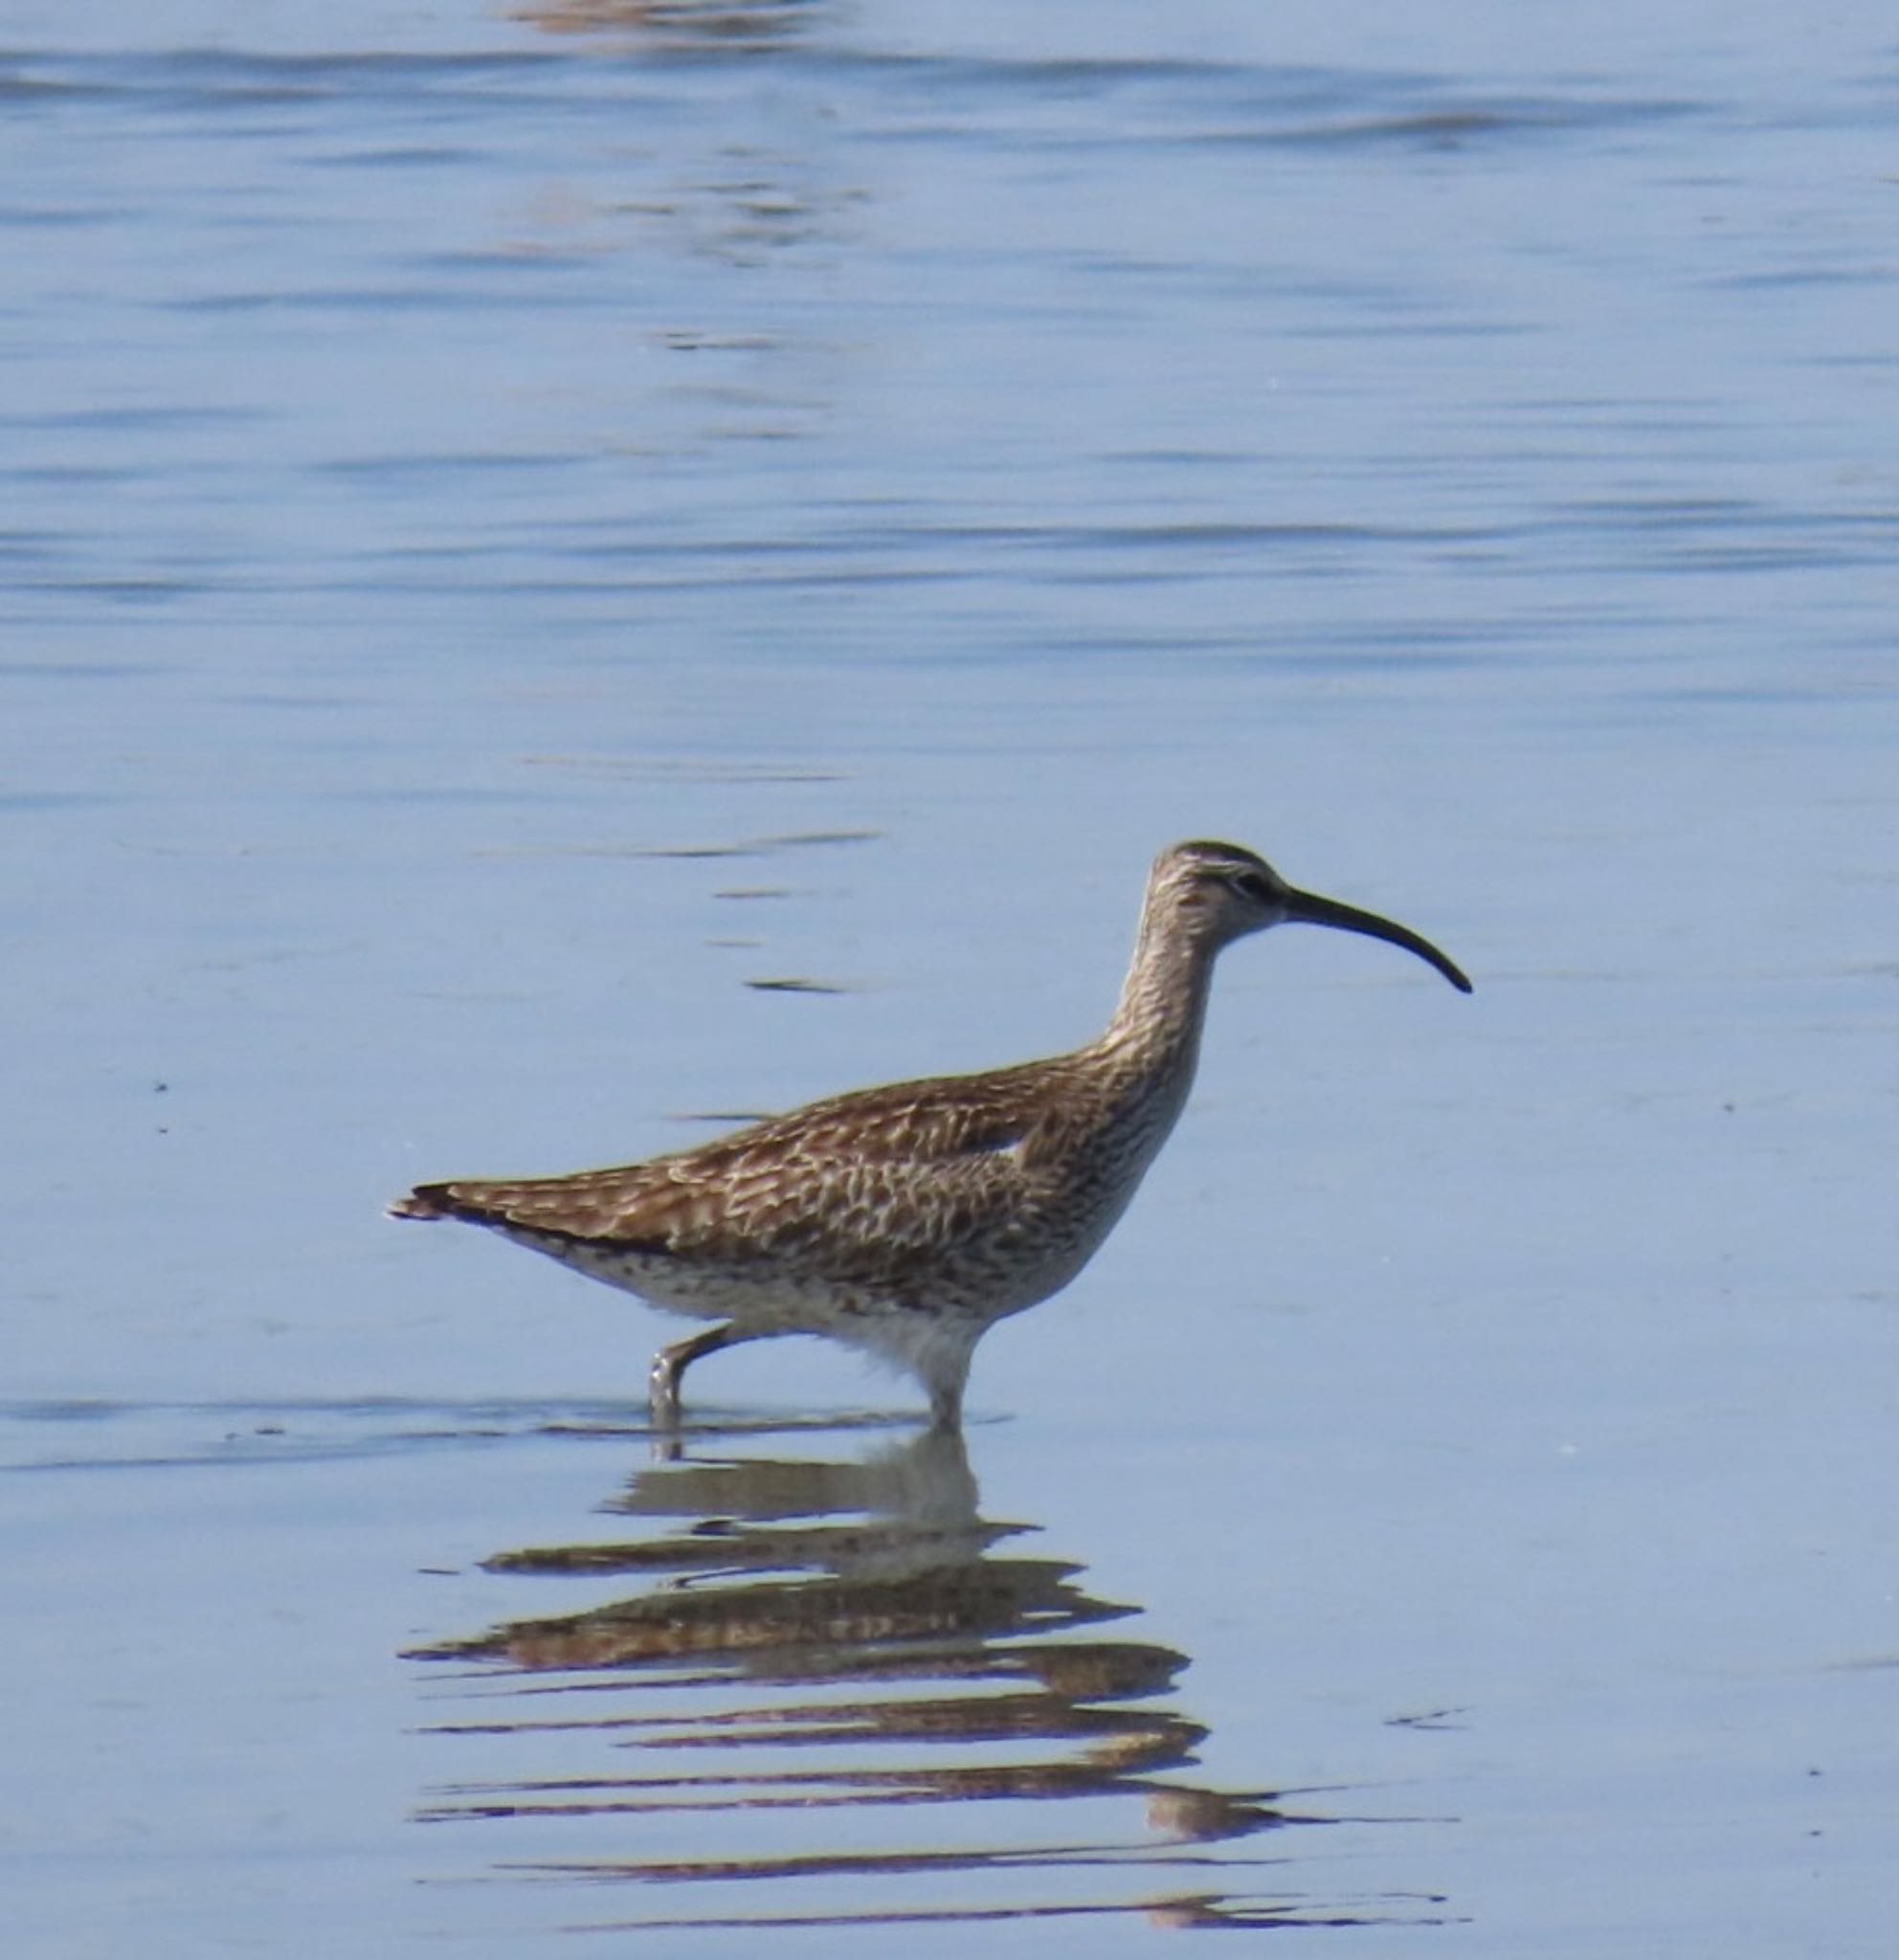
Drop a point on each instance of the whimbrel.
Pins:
(906, 1220)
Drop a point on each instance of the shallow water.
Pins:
(577, 572)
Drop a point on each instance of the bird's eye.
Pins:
(1255, 887)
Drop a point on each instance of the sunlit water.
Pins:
(576, 571)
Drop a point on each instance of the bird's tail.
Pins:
(425, 1201)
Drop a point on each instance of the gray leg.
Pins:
(670, 1363)
(946, 1406)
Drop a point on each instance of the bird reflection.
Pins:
(759, 24)
(807, 1638)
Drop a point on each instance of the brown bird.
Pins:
(906, 1220)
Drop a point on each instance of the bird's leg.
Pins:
(670, 1363)
(946, 1406)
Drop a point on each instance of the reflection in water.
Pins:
(811, 1638)
(761, 23)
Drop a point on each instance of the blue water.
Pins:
(573, 570)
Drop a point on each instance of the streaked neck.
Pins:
(1163, 1003)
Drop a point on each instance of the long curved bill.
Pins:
(1309, 909)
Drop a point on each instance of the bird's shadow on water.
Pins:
(838, 1675)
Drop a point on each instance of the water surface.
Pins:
(576, 571)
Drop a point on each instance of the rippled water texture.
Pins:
(575, 571)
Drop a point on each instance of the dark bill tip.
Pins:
(1309, 909)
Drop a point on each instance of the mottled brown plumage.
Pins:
(907, 1219)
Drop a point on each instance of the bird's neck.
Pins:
(1163, 1002)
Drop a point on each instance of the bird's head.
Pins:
(1221, 892)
